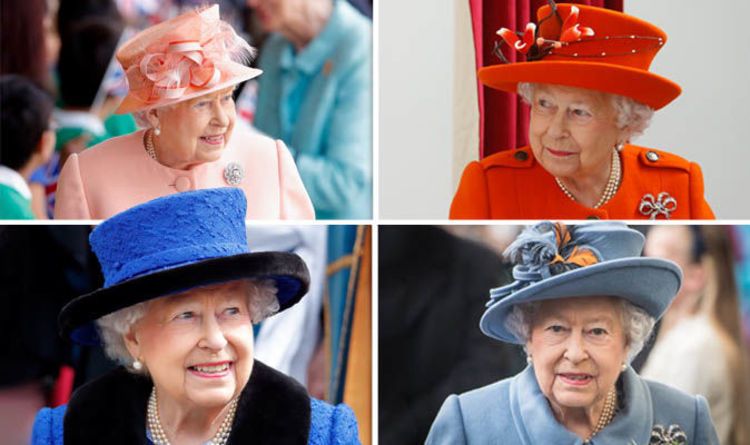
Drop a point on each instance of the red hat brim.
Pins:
(651, 89)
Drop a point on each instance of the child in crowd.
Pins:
(86, 52)
(27, 142)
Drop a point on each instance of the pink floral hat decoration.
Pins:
(188, 56)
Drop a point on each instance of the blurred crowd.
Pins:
(60, 84)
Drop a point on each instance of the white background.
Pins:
(416, 100)
(707, 53)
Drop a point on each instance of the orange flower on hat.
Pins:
(572, 30)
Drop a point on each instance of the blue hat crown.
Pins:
(171, 231)
(547, 249)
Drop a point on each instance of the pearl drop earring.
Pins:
(137, 365)
(528, 359)
(157, 131)
(624, 366)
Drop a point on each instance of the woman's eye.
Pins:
(232, 311)
(556, 329)
(227, 98)
(581, 113)
(598, 331)
(545, 103)
(185, 315)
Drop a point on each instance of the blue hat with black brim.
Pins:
(173, 244)
(598, 259)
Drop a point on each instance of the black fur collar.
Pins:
(273, 408)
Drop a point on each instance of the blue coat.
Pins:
(319, 102)
(273, 408)
(515, 411)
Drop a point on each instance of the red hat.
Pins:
(188, 56)
(586, 47)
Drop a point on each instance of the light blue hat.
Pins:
(597, 259)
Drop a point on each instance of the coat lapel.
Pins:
(532, 415)
(634, 422)
(273, 408)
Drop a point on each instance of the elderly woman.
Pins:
(177, 308)
(317, 97)
(587, 82)
(583, 304)
(181, 75)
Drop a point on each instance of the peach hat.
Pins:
(188, 56)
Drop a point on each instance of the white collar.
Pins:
(79, 119)
(14, 180)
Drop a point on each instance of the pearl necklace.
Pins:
(612, 184)
(160, 437)
(150, 145)
(607, 413)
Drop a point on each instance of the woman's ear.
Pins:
(152, 116)
(623, 136)
(627, 348)
(132, 343)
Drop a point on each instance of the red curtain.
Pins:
(503, 118)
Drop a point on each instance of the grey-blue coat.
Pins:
(515, 411)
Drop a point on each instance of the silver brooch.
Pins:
(661, 205)
(670, 436)
(234, 173)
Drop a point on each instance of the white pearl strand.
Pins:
(160, 437)
(150, 145)
(612, 184)
(607, 413)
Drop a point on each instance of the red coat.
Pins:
(512, 185)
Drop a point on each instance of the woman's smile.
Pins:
(214, 370)
(559, 153)
(576, 379)
(215, 140)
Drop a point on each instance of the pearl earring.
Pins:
(619, 146)
(137, 365)
(624, 366)
(157, 131)
(528, 359)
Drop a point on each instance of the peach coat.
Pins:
(512, 185)
(118, 174)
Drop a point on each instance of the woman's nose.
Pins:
(576, 349)
(212, 335)
(220, 115)
(558, 126)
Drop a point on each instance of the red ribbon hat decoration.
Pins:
(572, 30)
(522, 46)
(191, 55)
(585, 47)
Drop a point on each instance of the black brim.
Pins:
(287, 269)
